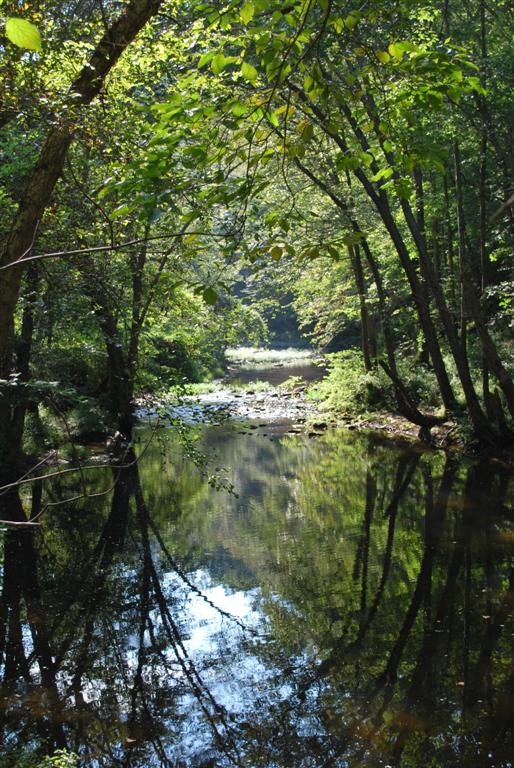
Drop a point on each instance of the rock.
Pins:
(100, 458)
(320, 425)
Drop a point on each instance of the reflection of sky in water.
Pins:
(240, 683)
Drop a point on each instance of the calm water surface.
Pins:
(308, 370)
(349, 604)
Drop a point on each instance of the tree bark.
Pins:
(476, 413)
(366, 333)
(488, 346)
(418, 288)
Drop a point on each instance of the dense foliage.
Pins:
(173, 172)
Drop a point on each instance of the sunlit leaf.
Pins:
(351, 21)
(247, 12)
(205, 59)
(23, 34)
(249, 72)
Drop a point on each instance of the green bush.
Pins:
(61, 758)
(349, 388)
(80, 367)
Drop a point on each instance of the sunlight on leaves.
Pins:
(23, 34)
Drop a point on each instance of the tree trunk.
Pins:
(23, 352)
(449, 243)
(488, 346)
(418, 289)
(476, 414)
(366, 333)
(464, 262)
(121, 382)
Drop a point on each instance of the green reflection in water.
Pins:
(352, 605)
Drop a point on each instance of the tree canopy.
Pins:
(168, 167)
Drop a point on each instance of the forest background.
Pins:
(173, 173)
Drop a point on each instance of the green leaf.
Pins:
(384, 173)
(155, 215)
(383, 57)
(205, 59)
(238, 109)
(210, 296)
(307, 132)
(353, 238)
(403, 46)
(396, 50)
(220, 61)
(308, 83)
(276, 253)
(23, 34)
(273, 119)
(338, 24)
(249, 72)
(247, 12)
(351, 21)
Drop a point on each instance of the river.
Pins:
(264, 598)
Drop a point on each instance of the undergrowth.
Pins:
(349, 389)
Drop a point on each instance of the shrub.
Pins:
(349, 388)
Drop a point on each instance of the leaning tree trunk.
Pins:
(49, 166)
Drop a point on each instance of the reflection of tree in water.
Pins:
(389, 622)
(106, 668)
(431, 687)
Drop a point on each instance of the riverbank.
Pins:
(289, 407)
(292, 407)
(289, 390)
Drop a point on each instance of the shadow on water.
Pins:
(352, 605)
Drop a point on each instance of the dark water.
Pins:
(308, 370)
(351, 606)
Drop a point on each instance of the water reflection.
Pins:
(352, 605)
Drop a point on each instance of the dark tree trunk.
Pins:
(366, 329)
